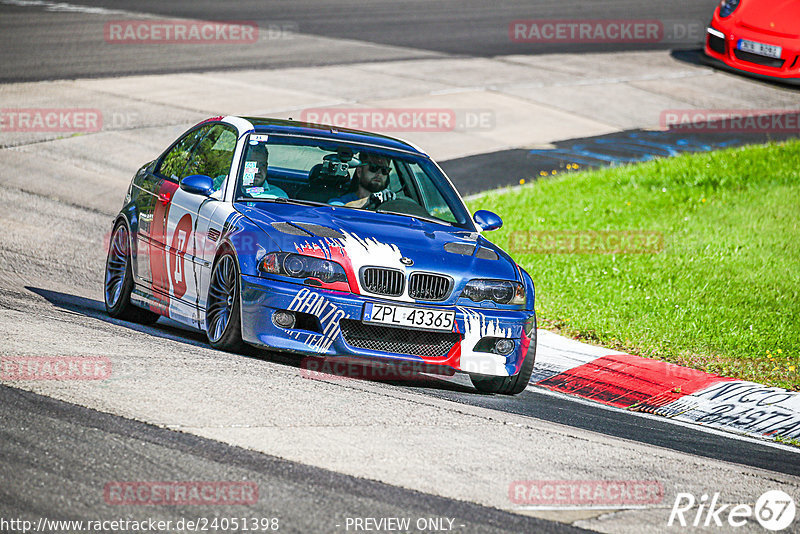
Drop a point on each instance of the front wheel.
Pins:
(223, 316)
(118, 282)
(510, 385)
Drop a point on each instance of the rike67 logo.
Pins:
(774, 510)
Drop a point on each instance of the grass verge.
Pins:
(693, 260)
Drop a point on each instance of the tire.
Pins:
(223, 315)
(118, 280)
(510, 385)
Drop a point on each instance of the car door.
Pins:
(153, 205)
(187, 223)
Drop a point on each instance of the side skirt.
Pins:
(178, 310)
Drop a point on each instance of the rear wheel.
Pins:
(223, 316)
(118, 282)
(510, 385)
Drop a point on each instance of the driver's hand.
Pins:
(376, 199)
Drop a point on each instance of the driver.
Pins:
(255, 174)
(370, 185)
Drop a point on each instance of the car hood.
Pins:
(378, 239)
(778, 16)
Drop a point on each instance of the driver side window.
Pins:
(173, 164)
(213, 155)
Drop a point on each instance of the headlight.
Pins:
(499, 291)
(726, 7)
(299, 266)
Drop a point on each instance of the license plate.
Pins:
(406, 316)
(759, 48)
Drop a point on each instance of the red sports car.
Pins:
(760, 37)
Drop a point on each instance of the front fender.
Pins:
(248, 242)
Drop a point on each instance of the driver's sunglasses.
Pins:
(382, 168)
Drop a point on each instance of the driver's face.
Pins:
(377, 180)
(261, 173)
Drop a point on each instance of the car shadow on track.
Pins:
(314, 368)
(95, 309)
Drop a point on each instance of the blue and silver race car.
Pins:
(320, 241)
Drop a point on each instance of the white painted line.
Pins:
(65, 7)
(586, 507)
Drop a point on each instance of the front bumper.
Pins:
(721, 52)
(336, 330)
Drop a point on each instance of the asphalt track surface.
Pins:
(542, 405)
(450, 27)
(56, 455)
(48, 481)
(41, 41)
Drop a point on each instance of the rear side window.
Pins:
(174, 162)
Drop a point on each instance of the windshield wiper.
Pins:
(284, 201)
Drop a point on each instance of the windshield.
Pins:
(283, 168)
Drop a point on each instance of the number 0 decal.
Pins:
(180, 241)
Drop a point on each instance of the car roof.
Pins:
(289, 127)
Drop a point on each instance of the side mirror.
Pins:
(487, 221)
(198, 184)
